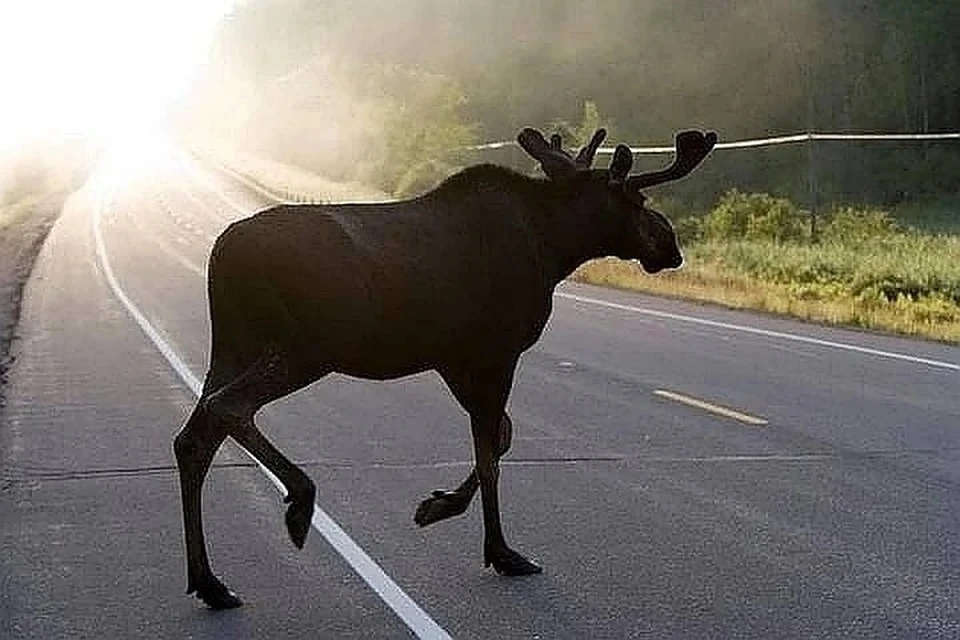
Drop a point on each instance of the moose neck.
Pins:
(572, 229)
(564, 223)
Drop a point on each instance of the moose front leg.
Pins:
(505, 560)
(447, 504)
(483, 392)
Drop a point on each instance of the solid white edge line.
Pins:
(939, 364)
(416, 619)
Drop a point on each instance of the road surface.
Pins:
(680, 471)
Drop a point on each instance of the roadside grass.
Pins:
(13, 213)
(867, 271)
(37, 174)
(909, 284)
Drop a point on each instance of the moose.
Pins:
(459, 281)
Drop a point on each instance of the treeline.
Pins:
(385, 92)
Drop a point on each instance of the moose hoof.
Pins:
(510, 563)
(298, 517)
(439, 506)
(217, 596)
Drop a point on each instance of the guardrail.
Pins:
(808, 136)
(297, 194)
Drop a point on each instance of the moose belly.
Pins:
(380, 343)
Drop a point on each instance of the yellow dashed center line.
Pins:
(712, 408)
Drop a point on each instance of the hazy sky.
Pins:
(97, 66)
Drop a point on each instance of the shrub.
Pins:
(689, 229)
(754, 216)
(425, 130)
(855, 225)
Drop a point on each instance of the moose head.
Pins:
(636, 232)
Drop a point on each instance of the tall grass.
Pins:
(865, 271)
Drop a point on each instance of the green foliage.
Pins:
(655, 67)
(688, 229)
(427, 138)
(754, 216)
(688, 225)
(864, 255)
(885, 269)
(853, 225)
(577, 135)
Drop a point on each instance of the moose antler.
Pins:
(692, 147)
(556, 162)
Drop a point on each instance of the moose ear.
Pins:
(621, 164)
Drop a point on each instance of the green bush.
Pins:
(901, 266)
(577, 135)
(425, 133)
(689, 229)
(855, 225)
(754, 216)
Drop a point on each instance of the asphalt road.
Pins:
(680, 471)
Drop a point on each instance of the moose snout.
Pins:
(666, 260)
(675, 261)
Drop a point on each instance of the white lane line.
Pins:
(892, 355)
(710, 407)
(416, 619)
(175, 255)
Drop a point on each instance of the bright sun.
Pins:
(102, 68)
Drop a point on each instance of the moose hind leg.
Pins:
(447, 504)
(301, 490)
(195, 447)
(268, 380)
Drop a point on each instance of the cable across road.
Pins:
(765, 142)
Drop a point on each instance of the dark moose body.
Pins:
(459, 280)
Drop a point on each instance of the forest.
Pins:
(858, 233)
(394, 96)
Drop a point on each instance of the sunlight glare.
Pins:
(140, 154)
(101, 68)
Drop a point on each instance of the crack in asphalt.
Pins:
(17, 474)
